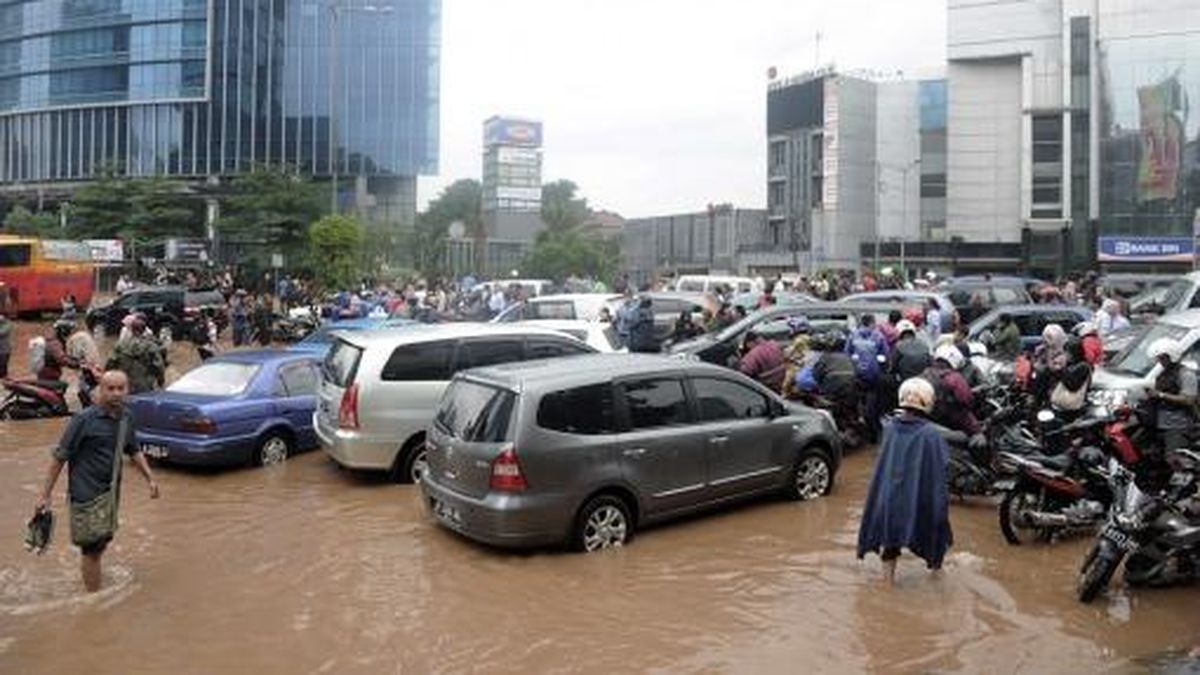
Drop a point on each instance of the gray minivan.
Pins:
(534, 454)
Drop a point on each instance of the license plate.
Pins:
(1119, 538)
(154, 451)
(447, 514)
(1004, 485)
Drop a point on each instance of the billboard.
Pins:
(1162, 140)
(1146, 249)
(106, 250)
(518, 156)
(527, 194)
(508, 131)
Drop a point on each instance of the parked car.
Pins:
(1030, 319)
(1127, 375)
(668, 305)
(380, 387)
(172, 309)
(1182, 294)
(598, 335)
(975, 296)
(585, 306)
(535, 454)
(1126, 286)
(320, 340)
(707, 283)
(723, 346)
(907, 298)
(240, 407)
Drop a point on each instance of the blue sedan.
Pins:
(251, 407)
(320, 340)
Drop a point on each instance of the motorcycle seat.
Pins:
(1056, 462)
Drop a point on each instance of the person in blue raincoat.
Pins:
(908, 503)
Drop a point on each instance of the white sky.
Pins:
(655, 106)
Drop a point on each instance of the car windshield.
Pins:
(475, 412)
(1151, 297)
(1134, 360)
(216, 379)
(324, 334)
(1176, 293)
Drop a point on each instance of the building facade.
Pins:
(207, 89)
(853, 163)
(1071, 131)
(719, 240)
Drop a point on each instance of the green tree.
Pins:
(561, 254)
(21, 220)
(272, 206)
(335, 247)
(562, 210)
(100, 209)
(460, 202)
(139, 209)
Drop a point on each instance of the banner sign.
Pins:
(106, 250)
(505, 131)
(1146, 249)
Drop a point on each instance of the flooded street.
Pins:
(308, 568)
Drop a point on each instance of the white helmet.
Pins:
(1165, 347)
(950, 354)
(905, 326)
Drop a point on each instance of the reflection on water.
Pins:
(307, 568)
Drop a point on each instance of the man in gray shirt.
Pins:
(88, 448)
(1174, 395)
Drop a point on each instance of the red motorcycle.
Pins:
(30, 398)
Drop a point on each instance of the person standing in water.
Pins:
(91, 449)
(908, 505)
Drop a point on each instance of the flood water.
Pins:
(305, 568)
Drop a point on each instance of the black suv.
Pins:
(173, 308)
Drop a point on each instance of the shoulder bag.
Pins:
(96, 519)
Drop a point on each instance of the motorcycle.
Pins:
(30, 398)
(1156, 535)
(851, 427)
(293, 329)
(1053, 495)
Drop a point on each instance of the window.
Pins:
(1047, 166)
(776, 196)
(540, 348)
(420, 362)
(656, 403)
(17, 255)
(1006, 296)
(552, 310)
(726, 400)
(1030, 325)
(341, 363)
(933, 185)
(216, 379)
(583, 410)
(299, 380)
(480, 353)
(476, 413)
(778, 154)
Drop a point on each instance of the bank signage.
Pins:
(1146, 249)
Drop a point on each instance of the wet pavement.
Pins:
(307, 568)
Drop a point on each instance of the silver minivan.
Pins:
(380, 388)
(537, 453)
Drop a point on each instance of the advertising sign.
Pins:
(518, 156)
(502, 131)
(1162, 140)
(186, 250)
(527, 194)
(1146, 249)
(106, 250)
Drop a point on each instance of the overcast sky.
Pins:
(655, 106)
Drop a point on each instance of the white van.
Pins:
(706, 283)
(380, 388)
(1126, 376)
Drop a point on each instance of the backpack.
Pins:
(944, 402)
(863, 350)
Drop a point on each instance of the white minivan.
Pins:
(707, 283)
(1127, 375)
(380, 388)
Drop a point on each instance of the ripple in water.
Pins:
(24, 592)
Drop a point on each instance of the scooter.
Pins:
(1053, 495)
(1158, 533)
(30, 398)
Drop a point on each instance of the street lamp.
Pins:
(335, 14)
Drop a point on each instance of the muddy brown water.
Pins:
(304, 568)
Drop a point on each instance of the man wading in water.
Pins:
(89, 449)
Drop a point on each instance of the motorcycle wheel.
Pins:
(1096, 575)
(1017, 502)
(6, 409)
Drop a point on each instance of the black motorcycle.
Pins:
(1157, 535)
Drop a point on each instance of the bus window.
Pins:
(15, 255)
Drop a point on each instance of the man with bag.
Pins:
(89, 448)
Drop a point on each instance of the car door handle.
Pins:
(718, 439)
(634, 452)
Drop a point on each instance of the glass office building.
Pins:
(211, 88)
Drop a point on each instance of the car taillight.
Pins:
(506, 472)
(348, 410)
(198, 425)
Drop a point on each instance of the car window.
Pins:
(1176, 293)
(341, 363)
(582, 410)
(1134, 360)
(420, 362)
(725, 400)
(1195, 301)
(480, 353)
(542, 348)
(655, 403)
(1065, 319)
(1006, 296)
(691, 286)
(216, 379)
(476, 413)
(203, 298)
(300, 379)
(558, 309)
(1030, 324)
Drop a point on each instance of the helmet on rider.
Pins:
(951, 354)
(1085, 328)
(905, 326)
(917, 393)
(1165, 348)
(63, 328)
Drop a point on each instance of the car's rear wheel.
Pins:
(603, 523)
(412, 463)
(812, 477)
(273, 449)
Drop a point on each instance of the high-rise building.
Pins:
(207, 89)
(1071, 133)
(512, 191)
